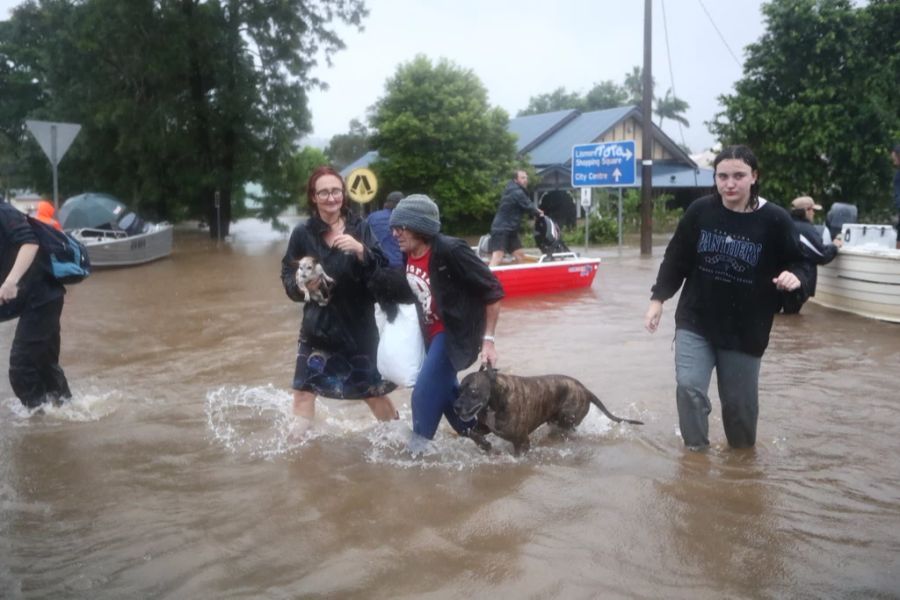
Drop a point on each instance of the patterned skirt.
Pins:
(335, 375)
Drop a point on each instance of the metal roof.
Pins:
(583, 129)
(531, 128)
(363, 161)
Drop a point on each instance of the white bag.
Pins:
(401, 348)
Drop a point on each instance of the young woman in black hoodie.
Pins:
(735, 253)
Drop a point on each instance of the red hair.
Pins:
(311, 189)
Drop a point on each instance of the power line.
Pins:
(721, 37)
(671, 72)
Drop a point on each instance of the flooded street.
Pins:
(170, 474)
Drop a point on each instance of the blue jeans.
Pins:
(435, 391)
(738, 377)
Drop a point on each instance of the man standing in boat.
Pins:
(505, 228)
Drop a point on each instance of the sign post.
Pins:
(54, 139)
(606, 164)
(586, 209)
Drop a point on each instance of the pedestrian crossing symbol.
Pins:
(362, 185)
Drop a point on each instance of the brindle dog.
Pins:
(512, 407)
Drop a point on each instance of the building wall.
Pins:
(629, 129)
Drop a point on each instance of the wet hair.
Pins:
(311, 190)
(745, 155)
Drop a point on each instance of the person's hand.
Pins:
(839, 241)
(489, 353)
(8, 291)
(786, 281)
(654, 313)
(348, 243)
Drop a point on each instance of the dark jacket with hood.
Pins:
(347, 323)
(513, 204)
(462, 286)
(814, 250)
(36, 287)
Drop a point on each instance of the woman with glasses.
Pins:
(338, 341)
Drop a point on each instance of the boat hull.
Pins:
(862, 281)
(546, 277)
(131, 250)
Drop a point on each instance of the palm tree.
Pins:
(671, 107)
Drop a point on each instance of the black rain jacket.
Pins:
(347, 323)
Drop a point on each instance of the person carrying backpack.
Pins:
(45, 213)
(30, 293)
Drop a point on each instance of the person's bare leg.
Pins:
(520, 256)
(382, 408)
(304, 410)
(496, 258)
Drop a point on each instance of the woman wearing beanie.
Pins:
(459, 300)
(338, 341)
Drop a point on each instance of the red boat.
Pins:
(547, 276)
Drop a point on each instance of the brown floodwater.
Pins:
(170, 475)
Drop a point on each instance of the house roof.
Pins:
(547, 139)
(555, 147)
(362, 162)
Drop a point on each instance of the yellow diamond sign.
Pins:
(362, 185)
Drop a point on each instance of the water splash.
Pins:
(87, 405)
(257, 422)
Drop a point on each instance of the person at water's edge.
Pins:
(735, 254)
(29, 292)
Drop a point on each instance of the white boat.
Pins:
(116, 248)
(864, 277)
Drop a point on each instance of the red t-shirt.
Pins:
(420, 281)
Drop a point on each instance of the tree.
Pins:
(558, 99)
(818, 100)
(178, 99)
(606, 94)
(344, 148)
(436, 134)
(671, 107)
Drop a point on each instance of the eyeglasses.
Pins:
(334, 193)
(398, 228)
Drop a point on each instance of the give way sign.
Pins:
(54, 138)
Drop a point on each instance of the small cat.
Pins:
(309, 270)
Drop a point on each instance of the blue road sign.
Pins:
(609, 164)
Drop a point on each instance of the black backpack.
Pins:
(67, 257)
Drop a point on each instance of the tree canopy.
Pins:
(818, 101)
(344, 148)
(608, 94)
(177, 98)
(436, 134)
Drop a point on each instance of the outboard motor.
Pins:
(548, 236)
(838, 214)
(131, 224)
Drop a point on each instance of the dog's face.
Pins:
(474, 395)
(306, 268)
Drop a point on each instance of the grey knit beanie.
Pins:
(418, 213)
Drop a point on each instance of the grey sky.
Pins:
(522, 48)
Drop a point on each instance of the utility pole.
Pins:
(647, 137)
